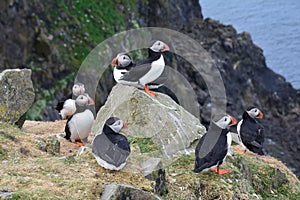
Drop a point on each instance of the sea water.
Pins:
(274, 26)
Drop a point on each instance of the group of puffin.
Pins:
(211, 153)
(111, 149)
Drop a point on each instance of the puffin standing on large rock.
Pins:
(79, 125)
(148, 70)
(214, 146)
(110, 148)
(250, 131)
(123, 63)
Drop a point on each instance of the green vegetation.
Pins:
(143, 144)
(33, 174)
(77, 27)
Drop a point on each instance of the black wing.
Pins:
(109, 151)
(136, 73)
(206, 158)
(123, 143)
(252, 136)
(67, 129)
(60, 103)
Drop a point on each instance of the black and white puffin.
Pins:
(251, 132)
(110, 148)
(148, 70)
(123, 63)
(66, 106)
(79, 125)
(214, 146)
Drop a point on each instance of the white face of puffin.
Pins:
(118, 125)
(123, 59)
(159, 46)
(84, 100)
(255, 113)
(78, 89)
(226, 121)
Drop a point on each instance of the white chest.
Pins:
(157, 68)
(81, 124)
(118, 73)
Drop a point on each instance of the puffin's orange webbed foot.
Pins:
(241, 151)
(80, 144)
(219, 171)
(153, 94)
(213, 169)
(222, 171)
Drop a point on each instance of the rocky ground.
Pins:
(29, 173)
(55, 38)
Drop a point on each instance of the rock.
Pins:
(52, 145)
(17, 94)
(158, 123)
(120, 191)
(6, 195)
(151, 165)
(153, 170)
(41, 144)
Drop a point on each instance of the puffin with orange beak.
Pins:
(214, 146)
(122, 64)
(145, 71)
(110, 148)
(250, 131)
(79, 125)
(66, 105)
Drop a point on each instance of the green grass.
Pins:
(77, 27)
(145, 145)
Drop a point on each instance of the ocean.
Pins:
(273, 25)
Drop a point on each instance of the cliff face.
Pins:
(53, 39)
(247, 79)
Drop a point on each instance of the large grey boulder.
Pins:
(120, 191)
(154, 124)
(17, 94)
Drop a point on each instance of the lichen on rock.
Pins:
(17, 94)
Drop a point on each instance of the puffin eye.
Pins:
(124, 58)
(225, 119)
(159, 43)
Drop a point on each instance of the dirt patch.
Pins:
(47, 129)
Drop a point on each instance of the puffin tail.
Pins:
(198, 168)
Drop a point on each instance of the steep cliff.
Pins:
(53, 38)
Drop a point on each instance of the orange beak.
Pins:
(260, 115)
(233, 121)
(125, 124)
(91, 101)
(113, 62)
(165, 48)
(82, 90)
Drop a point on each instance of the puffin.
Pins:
(123, 63)
(214, 146)
(79, 125)
(251, 132)
(110, 148)
(66, 106)
(148, 70)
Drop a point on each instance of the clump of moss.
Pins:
(3, 153)
(143, 144)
